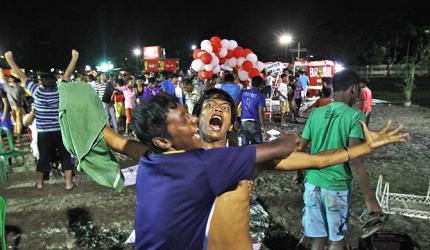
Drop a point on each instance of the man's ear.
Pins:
(162, 142)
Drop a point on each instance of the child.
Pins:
(119, 99)
(130, 101)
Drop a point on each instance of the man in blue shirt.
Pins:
(167, 85)
(252, 117)
(230, 87)
(304, 83)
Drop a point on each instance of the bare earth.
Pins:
(94, 217)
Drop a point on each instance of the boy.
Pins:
(365, 101)
(252, 117)
(283, 97)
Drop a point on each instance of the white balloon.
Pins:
(225, 43)
(232, 62)
(240, 61)
(208, 67)
(260, 66)
(232, 44)
(252, 57)
(215, 61)
(243, 75)
(216, 70)
(223, 52)
(206, 45)
(197, 65)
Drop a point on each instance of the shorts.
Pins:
(119, 109)
(128, 115)
(326, 212)
(48, 143)
(285, 107)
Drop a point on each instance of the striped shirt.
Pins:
(100, 89)
(46, 101)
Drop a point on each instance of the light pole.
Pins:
(285, 39)
(193, 47)
(137, 53)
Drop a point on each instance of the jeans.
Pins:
(110, 111)
(251, 133)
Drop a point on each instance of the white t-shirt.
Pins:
(269, 80)
(283, 89)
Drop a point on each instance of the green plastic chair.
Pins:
(7, 155)
(3, 206)
(3, 171)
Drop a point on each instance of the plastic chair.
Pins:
(268, 111)
(3, 206)
(7, 155)
(3, 172)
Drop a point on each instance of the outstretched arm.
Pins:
(374, 140)
(131, 148)
(71, 66)
(9, 58)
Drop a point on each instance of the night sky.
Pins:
(42, 33)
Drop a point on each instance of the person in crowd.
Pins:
(191, 94)
(297, 97)
(167, 85)
(46, 99)
(252, 116)
(152, 88)
(283, 98)
(129, 92)
(323, 100)
(140, 86)
(233, 89)
(328, 191)
(6, 120)
(16, 98)
(365, 100)
(101, 85)
(304, 84)
(108, 103)
(119, 99)
(270, 79)
(179, 93)
(92, 79)
(327, 82)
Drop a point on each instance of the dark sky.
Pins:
(42, 33)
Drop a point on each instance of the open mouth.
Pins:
(215, 123)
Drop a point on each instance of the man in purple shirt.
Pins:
(152, 89)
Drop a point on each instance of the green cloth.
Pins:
(330, 127)
(82, 119)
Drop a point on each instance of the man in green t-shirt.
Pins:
(328, 191)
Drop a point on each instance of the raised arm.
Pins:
(9, 58)
(117, 143)
(71, 66)
(374, 140)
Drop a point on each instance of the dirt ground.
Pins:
(94, 217)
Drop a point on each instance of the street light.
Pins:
(285, 39)
(137, 52)
(193, 47)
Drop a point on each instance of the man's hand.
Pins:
(8, 55)
(75, 53)
(380, 138)
(373, 206)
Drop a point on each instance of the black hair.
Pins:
(48, 80)
(344, 79)
(215, 94)
(92, 77)
(150, 119)
(365, 81)
(257, 82)
(228, 78)
(283, 75)
(327, 80)
(186, 81)
(120, 81)
(174, 75)
(152, 80)
(326, 92)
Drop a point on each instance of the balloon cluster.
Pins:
(214, 53)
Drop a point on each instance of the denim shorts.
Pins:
(326, 212)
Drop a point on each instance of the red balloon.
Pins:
(229, 54)
(246, 52)
(217, 54)
(215, 39)
(247, 65)
(196, 54)
(238, 52)
(222, 60)
(253, 72)
(216, 46)
(203, 74)
(206, 58)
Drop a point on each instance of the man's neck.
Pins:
(340, 97)
(215, 144)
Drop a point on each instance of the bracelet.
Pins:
(347, 152)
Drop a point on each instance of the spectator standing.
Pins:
(365, 100)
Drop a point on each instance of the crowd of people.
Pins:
(190, 135)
